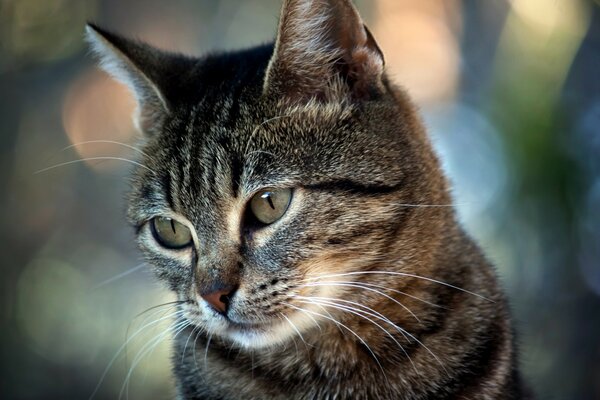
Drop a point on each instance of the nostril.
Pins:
(220, 299)
(224, 299)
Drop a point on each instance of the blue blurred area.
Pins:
(510, 92)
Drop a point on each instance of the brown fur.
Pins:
(418, 314)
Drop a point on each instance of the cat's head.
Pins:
(268, 173)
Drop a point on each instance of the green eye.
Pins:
(170, 233)
(270, 205)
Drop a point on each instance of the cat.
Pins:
(289, 195)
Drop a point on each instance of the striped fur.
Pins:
(367, 287)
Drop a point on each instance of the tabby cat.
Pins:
(288, 194)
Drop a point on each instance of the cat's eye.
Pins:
(170, 233)
(269, 205)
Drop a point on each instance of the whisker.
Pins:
(328, 313)
(186, 343)
(119, 276)
(149, 316)
(123, 346)
(325, 283)
(296, 329)
(400, 274)
(106, 141)
(93, 159)
(360, 313)
(206, 351)
(424, 205)
(313, 318)
(167, 304)
(148, 348)
(330, 299)
(293, 339)
(404, 332)
(260, 152)
(255, 130)
(154, 348)
(252, 362)
(195, 344)
(350, 330)
(390, 289)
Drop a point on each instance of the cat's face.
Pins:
(326, 185)
(261, 179)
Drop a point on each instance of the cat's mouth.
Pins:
(225, 324)
(248, 334)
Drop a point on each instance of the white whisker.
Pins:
(195, 344)
(105, 141)
(390, 289)
(124, 345)
(404, 332)
(348, 329)
(255, 130)
(331, 299)
(296, 329)
(93, 159)
(360, 313)
(404, 274)
(423, 205)
(186, 343)
(328, 313)
(325, 283)
(148, 348)
(293, 339)
(206, 350)
(119, 276)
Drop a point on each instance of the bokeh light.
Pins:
(420, 47)
(58, 326)
(98, 109)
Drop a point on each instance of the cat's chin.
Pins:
(270, 334)
(257, 336)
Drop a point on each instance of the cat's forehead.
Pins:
(240, 122)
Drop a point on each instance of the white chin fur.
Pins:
(273, 335)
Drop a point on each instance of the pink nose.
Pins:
(219, 299)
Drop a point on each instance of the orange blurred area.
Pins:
(419, 41)
(97, 117)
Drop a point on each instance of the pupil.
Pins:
(270, 200)
(173, 227)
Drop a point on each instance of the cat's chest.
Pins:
(299, 371)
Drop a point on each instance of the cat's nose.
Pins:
(219, 299)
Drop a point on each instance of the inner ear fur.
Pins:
(324, 51)
(142, 68)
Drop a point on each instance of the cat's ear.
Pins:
(323, 50)
(140, 67)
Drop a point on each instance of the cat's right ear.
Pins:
(140, 67)
(324, 51)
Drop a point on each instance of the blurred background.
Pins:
(510, 92)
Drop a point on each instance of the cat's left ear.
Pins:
(324, 51)
(141, 68)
